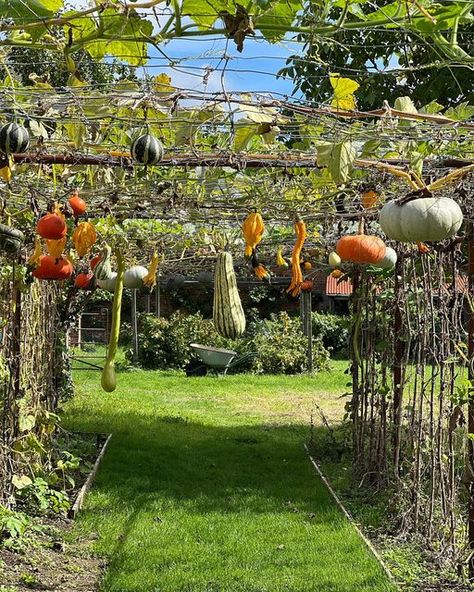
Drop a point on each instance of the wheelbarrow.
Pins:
(216, 358)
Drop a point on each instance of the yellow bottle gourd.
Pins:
(296, 274)
(253, 229)
(280, 260)
(109, 379)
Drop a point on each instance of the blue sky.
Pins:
(252, 70)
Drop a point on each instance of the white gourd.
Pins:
(109, 283)
(228, 314)
(134, 276)
(420, 220)
(334, 260)
(389, 260)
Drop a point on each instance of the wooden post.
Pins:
(158, 296)
(134, 326)
(306, 308)
(398, 373)
(470, 421)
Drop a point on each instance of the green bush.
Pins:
(333, 330)
(278, 343)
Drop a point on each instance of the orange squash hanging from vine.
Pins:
(296, 274)
(253, 229)
(84, 238)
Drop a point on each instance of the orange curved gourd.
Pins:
(361, 248)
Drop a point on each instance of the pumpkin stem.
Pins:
(361, 225)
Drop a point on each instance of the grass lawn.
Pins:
(206, 486)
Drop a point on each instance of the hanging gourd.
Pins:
(103, 269)
(336, 273)
(94, 262)
(258, 268)
(52, 226)
(53, 268)
(296, 274)
(84, 281)
(11, 239)
(34, 258)
(134, 277)
(56, 247)
(147, 150)
(389, 260)
(150, 279)
(424, 219)
(253, 229)
(422, 248)
(361, 248)
(228, 314)
(334, 260)
(369, 199)
(280, 260)
(109, 284)
(109, 379)
(14, 138)
(78, 205)
(307, 266)
(84, 238)
(307, 285)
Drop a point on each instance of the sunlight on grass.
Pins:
(206, 486)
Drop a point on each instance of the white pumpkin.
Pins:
(133, 277)
(389, 260)
(108, 284)
(334, 260)
(420, 220)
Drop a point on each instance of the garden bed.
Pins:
(42, 556)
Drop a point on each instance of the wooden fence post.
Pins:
(134, 326)
(470, 421)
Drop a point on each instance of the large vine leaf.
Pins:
(280, 15)
(28, 10)
(126, 34)
(205, 12)
(344, 89)
(338, 158)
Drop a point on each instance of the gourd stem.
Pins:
(361, 225)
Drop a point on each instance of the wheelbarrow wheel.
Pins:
(195, 368)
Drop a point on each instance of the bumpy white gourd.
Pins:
(134, 276)
(419, 220)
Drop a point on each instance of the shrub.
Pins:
(278, 342)
(333, 330)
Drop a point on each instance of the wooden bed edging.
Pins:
(72, 513)
(343, 509)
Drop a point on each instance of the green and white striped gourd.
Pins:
(228, 314)
(147, 149)
(103, 269)
(14, 138)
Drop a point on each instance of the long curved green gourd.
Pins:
(109, 379)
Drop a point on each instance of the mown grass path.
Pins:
(206, 487)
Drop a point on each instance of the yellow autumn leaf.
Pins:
(6, 174)
(344, 89)
(162, 84)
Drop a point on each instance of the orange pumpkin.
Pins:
(361, 248)
(307, 285)
(83, 281)
(95, 261)
(77, 204)
(52, 268)
(336, 273)
(52, 227)
(369, 199)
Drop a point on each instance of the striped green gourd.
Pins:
(228, 314)
(147, 149)
(103, 269)
(14, 138)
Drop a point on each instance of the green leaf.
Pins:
(119, 28)
(461, 112)
(245, 129)
(432, 108)
(26, 422)
(340, 167)
(26, 10)
(282, 13)
(205, 12)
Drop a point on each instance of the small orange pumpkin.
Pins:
(52, 227)
(336, 273)
(52, 268)
(369, 199)
(422, 248)
(78, 205)
(83, 281)
(361, 248)
(307, 285)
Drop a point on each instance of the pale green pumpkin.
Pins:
(420, 220)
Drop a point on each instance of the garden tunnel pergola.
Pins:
(412, 333)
